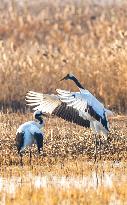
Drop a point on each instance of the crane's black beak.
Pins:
(63, 79)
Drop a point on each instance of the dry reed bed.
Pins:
(62, 140)
(41, 43)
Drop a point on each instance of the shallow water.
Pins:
(93, 180)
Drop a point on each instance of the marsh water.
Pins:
(92, 180)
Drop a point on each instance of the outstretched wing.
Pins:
(44, 102)
(86, 104)
(53, 105)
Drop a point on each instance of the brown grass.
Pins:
(62, 140)
(41, 43)
(69, 153)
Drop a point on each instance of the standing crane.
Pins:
(30, 133)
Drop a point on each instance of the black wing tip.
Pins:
(71, 115)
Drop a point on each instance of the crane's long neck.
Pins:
(77, 82)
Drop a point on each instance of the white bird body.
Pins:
(89, 108)
(83, 101)
(29, 129)
(30, 133)
(32, 126)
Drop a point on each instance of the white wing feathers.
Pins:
(78, 107)
(73, 99)
(78, 100)
(53, 105)
(44, 102)
(81, 101)
(87, 105)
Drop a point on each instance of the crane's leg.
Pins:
(95, 151)
(100, 146)
(30, 156)
(21, 162)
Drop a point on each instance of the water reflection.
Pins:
(94, 180)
